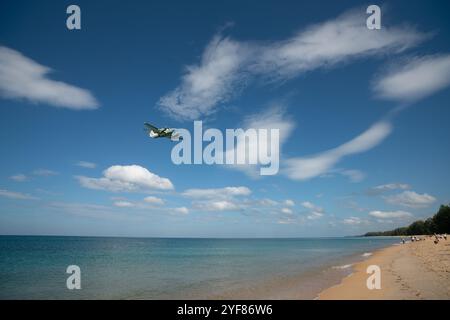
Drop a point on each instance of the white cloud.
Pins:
(181, 210)
(209, 83)
(267, 202)
(228, 65)
(16, 195)
(390, 214)
(126, 178)
(286, 211)
(219, 199)
(304, 168)
(417, 79)
(388, 187)
(86, 164)
(23, 78)
(272, 118)
(124, 204)
(218, 193)
(314, 212)
(334, 41)
(219, 205)
(411, 199)
(353, 221)
(154, 200)
(289, 202)
(19, 177)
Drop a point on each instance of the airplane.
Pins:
(154, 132)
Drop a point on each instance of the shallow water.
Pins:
(33, 267)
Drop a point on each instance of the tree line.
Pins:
(439, 223)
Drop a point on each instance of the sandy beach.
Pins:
(411, 271)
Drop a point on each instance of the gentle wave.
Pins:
(367, 254)
(345, 266)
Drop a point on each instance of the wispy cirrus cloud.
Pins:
(304, 168)
(16, 195)
(86, 164)
(210, 83)
(414, 79)
(24, 78)
(45, 172)
(20, 177)
(380, 189)
(228, 65)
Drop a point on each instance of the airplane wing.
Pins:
(151, 127)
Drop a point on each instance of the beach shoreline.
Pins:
(411, 271)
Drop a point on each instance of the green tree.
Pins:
(442, 220)
(417, 227)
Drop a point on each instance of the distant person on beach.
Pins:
(403, 241)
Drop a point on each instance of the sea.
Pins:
(35, 267)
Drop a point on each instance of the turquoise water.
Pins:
(34, 267)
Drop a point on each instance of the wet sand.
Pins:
(411, 271)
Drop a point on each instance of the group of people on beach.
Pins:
(437, 237)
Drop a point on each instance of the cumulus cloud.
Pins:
(289, 202)
(181, 210)
(267, 202)
(304, 168)
(414, 80)
(411, 199)
(286, 210)
(16, 195)
(314, 212)
(219, 205)
(390, 214)
(23, 78)
(217, 199)
(126, 178)
(228, 65)
(353, 221)
(86, 164)
(154, 200)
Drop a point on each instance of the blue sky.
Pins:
(363, 115)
